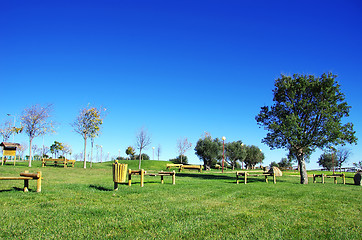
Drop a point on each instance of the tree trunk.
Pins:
(85, 154)
(302, 168)
(91, 153)
(181, 158)
(30, 144)
(139, 164)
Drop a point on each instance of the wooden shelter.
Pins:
(9, 149)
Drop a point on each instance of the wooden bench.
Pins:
(56, 161)
(169, 166)
(323, 176)
(246, 174)
(142, 173)
(194, 167)
(162, 174)
(26, 176)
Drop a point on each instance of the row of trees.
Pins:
(211, 152)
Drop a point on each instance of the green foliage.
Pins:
(179, 161)
(306, 115)
(326, 160)
(56, 147)
(130, 151)
(235, 151)
(88, 124)
(253, 156)
(144, 156)
(209, 150)
(285, 163)
(273, 164)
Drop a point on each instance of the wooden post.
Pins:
(266, 178)
(237, 177)
(2, 162)
(335, 180)
(115, 186)
(245, 177)
(344, 178)
(323, 178)
(173, 177)
(26, 185)
(142, 177)
(314, 181)
(129, 177)
(274, 178)
(161, 179)
(38, 182)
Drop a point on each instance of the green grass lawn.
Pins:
(77, 203)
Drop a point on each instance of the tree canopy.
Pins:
(35, 121)
(253, 156)
(209, 150)
(235, 151)
(307, 114)
(88, 124)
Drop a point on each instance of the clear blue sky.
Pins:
(178, 68)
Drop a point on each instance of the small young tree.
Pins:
(88, 124)
(358, 164)
(21, 149)
(55, 148)
(158, 151)
(143, 140)
(130, 151)
(35, 121)
(342, 155)
(183, 145)
(6, 130)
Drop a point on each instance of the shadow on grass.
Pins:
(225, 177)
(15, 189)
(100, 188)
(205, 176)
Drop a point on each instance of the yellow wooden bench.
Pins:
(58, 161)
(142, 173)
(26, 176)
(169, 166)
(196, 167)
(323, 176)
(254, 174)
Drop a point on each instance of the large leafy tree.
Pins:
(307, 114)
(35, 121)
(88, 124)
(253, 156)
(209, 150)
(235, 151)
(327, 161)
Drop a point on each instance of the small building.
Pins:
(9, 150)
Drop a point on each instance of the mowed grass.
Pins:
(77, 203)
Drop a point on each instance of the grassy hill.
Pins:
(77, 203)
